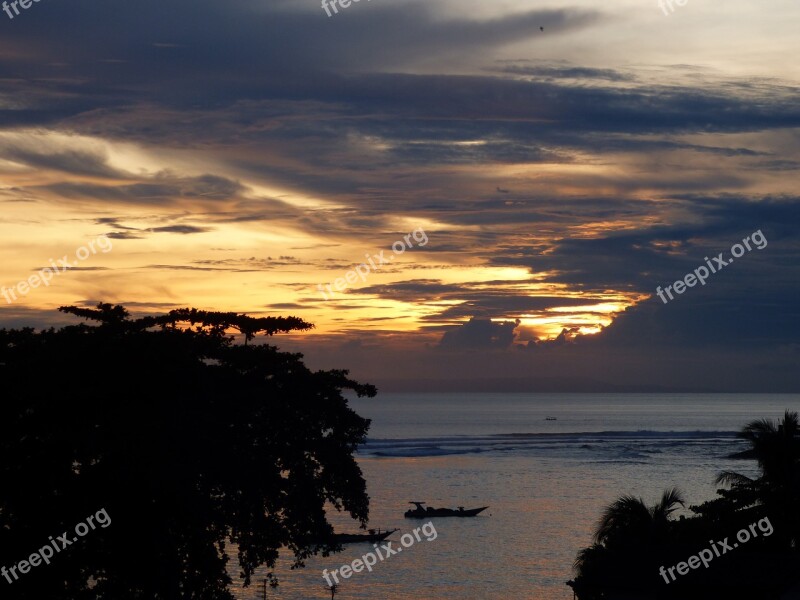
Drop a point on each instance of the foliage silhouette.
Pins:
(628, 536)
(775, 446)
(629, 521)
(633, 541)
(190, 442)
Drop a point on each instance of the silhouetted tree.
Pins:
(627, 542)
(629, 521)
(633, 542)
(775, 446)
(188, 440)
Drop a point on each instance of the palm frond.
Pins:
(670, 500)
(791, 422)
(622, 514)
(733, 479)
(755, 430)
(588, 556)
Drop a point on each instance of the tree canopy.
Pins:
(633, 541)
(190, 442)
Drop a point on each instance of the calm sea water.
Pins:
(546, 482)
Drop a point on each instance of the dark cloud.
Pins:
(647, 256)
(115, 221)
(123, 235)
(131, 48)
(563, 72)
(495, 299)
(72, 161)
(480, 333)
(284, 305)
(195, 268)
(182, 229)
(161, 190)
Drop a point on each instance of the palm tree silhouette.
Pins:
(628, 536)
(775, 445)
(630, 521)
(634, 541)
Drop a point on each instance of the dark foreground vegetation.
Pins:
(634, 541)
(188, 440)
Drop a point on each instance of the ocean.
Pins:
(545, 482)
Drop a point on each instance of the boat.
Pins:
(420, 512)
(355, 538)
(551, 418)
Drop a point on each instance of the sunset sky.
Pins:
(240, 154)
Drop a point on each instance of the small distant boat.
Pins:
(420, 512)
(551, 419)
(355, 538)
